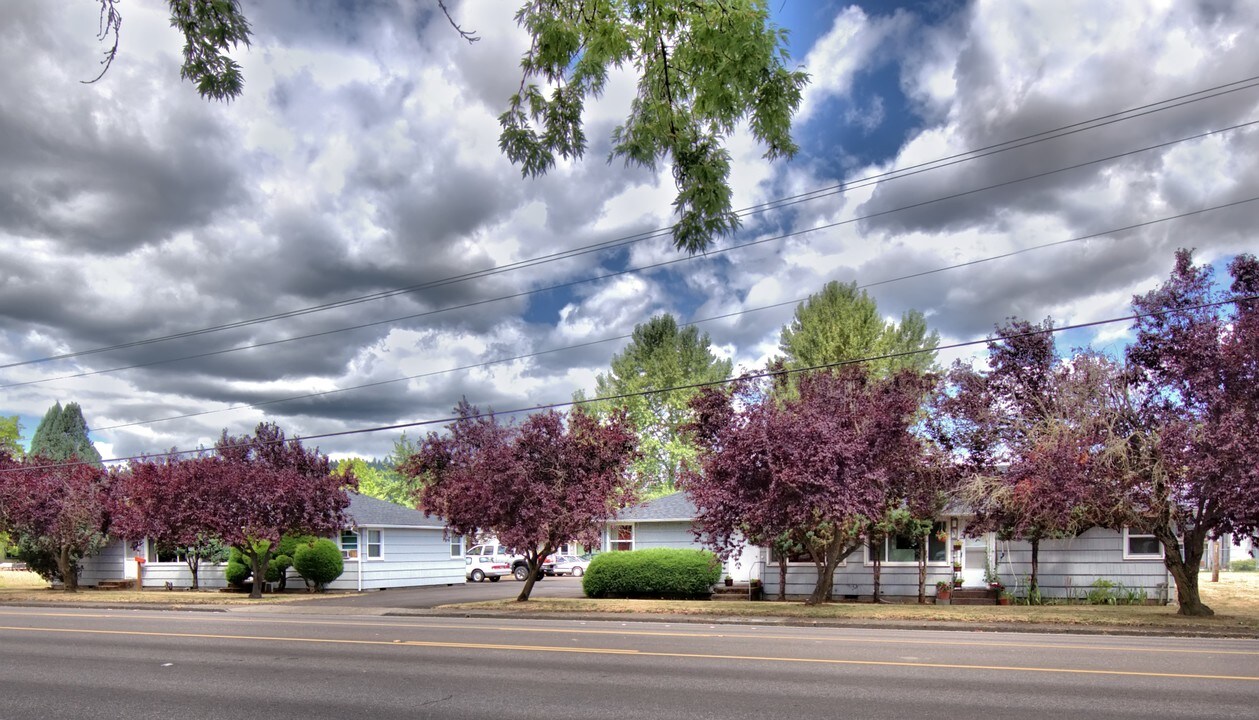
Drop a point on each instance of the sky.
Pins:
(363, 158)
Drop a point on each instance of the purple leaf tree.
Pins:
(815, 467)
(258, 488)
(1186, 461)
(548, 481)
(58, 511)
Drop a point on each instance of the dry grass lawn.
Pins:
(26, 587)
(1235, 600)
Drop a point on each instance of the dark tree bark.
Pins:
(1184, 568)
(533, 561)
(65, 566)
(1033, 583)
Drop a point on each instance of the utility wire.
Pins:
(640, 268)
(674, 388)
(726, 316)
(809, 196)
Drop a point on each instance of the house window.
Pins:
(375, 546)
(349, 544)
(155, 554)
(903, 549)
(1141, 546)
(456, 546)
(621, 537)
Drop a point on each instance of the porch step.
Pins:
(973, 596)
(738, 591)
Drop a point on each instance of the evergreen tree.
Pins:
(660, 355)
(62, 435)
(841, 323)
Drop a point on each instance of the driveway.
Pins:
(432, 596)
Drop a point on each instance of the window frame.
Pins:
(348, 552)
(378, 543)
(1129, 555)
(936, 528)
(456, 546)
(613, 537)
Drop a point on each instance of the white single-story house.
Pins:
(385, 546)
(668, 522)
(1067, 567)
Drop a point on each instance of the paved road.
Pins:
(148, 664)
(429, 597)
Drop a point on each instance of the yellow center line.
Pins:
(638, 653)
(684, 634)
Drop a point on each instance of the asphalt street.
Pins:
(432, 596)
(137, 664)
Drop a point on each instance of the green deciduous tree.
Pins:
(703, 68)
(62, 435)
(842, 323)
(660, 355)
(11, 437)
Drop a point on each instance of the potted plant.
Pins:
(943, 592)
(756, 589)
(957, 566)
(729, 581)
(957, 581)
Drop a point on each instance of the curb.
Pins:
(1028, 628)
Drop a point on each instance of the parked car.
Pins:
(519, 567)
(571, 565)
(482, 567)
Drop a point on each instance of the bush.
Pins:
(1108, 592)
(319, 562)
(236, 572)
(277, 567)
(1247, 565)
(654, 573)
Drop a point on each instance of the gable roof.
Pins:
(676, 507)
(367, 511)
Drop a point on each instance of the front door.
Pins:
(975, 554)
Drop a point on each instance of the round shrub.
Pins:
(319, 562)
(236, 572)
(670, 573)
(277, 567)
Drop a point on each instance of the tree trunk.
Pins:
(69, 578)
(194, 566)
(922, 571)
(1033, 583)
(878, 577)
(533, 561)
(782, 577)
(832, 555)
(1185, 571)
(259, 565)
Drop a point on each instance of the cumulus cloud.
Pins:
(363, 159)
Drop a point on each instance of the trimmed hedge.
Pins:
(670, 573)
(1246, 565)
(319, 562)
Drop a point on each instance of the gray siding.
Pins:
(1068, 567)
(856, 579)
(664, 534)
(209, 575)
(109, 564)
(411, 557)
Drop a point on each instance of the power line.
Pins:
(674, 388)
(726, 316)
(896, 174)
(641, 268)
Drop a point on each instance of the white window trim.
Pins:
(801, 563)
(363, 538)
(462, 550)
(1139, 556)
(947, 562)
(358, 545)
(633, 536)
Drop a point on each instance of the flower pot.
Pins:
(1003, 600)
(729, 582)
